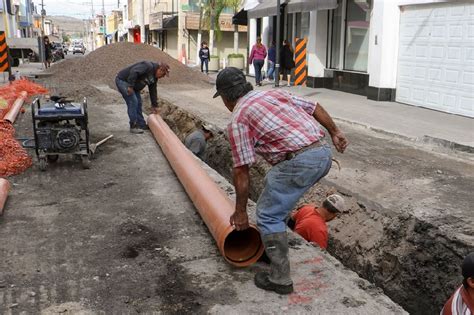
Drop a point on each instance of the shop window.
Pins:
(357, 35)
(349, 45)
(336, 36)
(302, 25)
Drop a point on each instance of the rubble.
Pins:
(103, 64)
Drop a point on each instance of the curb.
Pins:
(426, 140)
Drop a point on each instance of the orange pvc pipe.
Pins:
(16, 107)
(240, 248)
(4, 189)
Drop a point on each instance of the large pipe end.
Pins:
(4, 189)
(243, 248)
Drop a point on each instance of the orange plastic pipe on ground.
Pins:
(240, 248)
(4, 189)
(15, 109)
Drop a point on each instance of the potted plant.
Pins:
(236, 60)
(214, 63)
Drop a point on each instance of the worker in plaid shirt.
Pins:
(286, 131)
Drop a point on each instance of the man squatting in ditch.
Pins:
(131, 80)
(286, 131)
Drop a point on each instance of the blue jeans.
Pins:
(258, 65)
(205, 62)
(286, 183)
(134, 104)
(271, 70)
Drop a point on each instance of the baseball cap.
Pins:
(208, 127)
(467, 266)
(228, 78)
(337, 202)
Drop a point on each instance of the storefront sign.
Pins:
(156, 21)
(225, 23)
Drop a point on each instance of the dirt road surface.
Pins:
(123, 238)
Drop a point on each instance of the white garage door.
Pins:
(436, 57)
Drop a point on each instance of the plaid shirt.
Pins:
(271, 124)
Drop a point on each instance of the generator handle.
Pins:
(35, 101)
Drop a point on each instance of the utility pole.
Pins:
(141, 19)
(43, 13)
(278, 43)
(103, 19)
(199, 37)
(6, 18)
(93, 25)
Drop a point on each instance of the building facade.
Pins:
(172, 25)
(417, 52)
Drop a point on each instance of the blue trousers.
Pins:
(258, 65)
(286, 183)
(205, 63)
(134, 104)
(271, 70)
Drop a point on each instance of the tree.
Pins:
(212, 11)
(66, 38)
(235, 5)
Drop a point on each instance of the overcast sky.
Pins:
(76, 8)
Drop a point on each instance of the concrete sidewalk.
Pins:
(416, 123)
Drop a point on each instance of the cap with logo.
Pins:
(337, 202)
(229, 78)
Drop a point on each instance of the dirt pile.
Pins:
(103, 64)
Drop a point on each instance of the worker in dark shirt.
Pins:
(131, 80)
(196, 141)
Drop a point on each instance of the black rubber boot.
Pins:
(278, 280)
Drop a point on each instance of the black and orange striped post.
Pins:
(4, 65)
(300, 62)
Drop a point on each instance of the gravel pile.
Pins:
(103, 64)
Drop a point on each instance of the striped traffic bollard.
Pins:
(300, 62)
(4, 66)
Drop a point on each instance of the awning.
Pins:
(269, 7)
(295, 6)
(169, 23)
(240, 18)
(266, 8)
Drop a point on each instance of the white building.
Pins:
(417, 52)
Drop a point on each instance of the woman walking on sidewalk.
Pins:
(257, 57)
(286, 61)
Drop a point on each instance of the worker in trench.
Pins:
(286, 131)
(196, 141)
(461, 301)
(131, 80)
(309, 221)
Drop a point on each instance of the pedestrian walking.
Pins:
(286, 131)
(196, 141)
(204, 55)
(48, 52)
(287, 61)
(309, 221)
(131, 80)
(271, 61)
(257, 57)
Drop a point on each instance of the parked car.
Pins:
(58, 50)
(78, 49)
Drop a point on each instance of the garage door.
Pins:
(436, 57)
